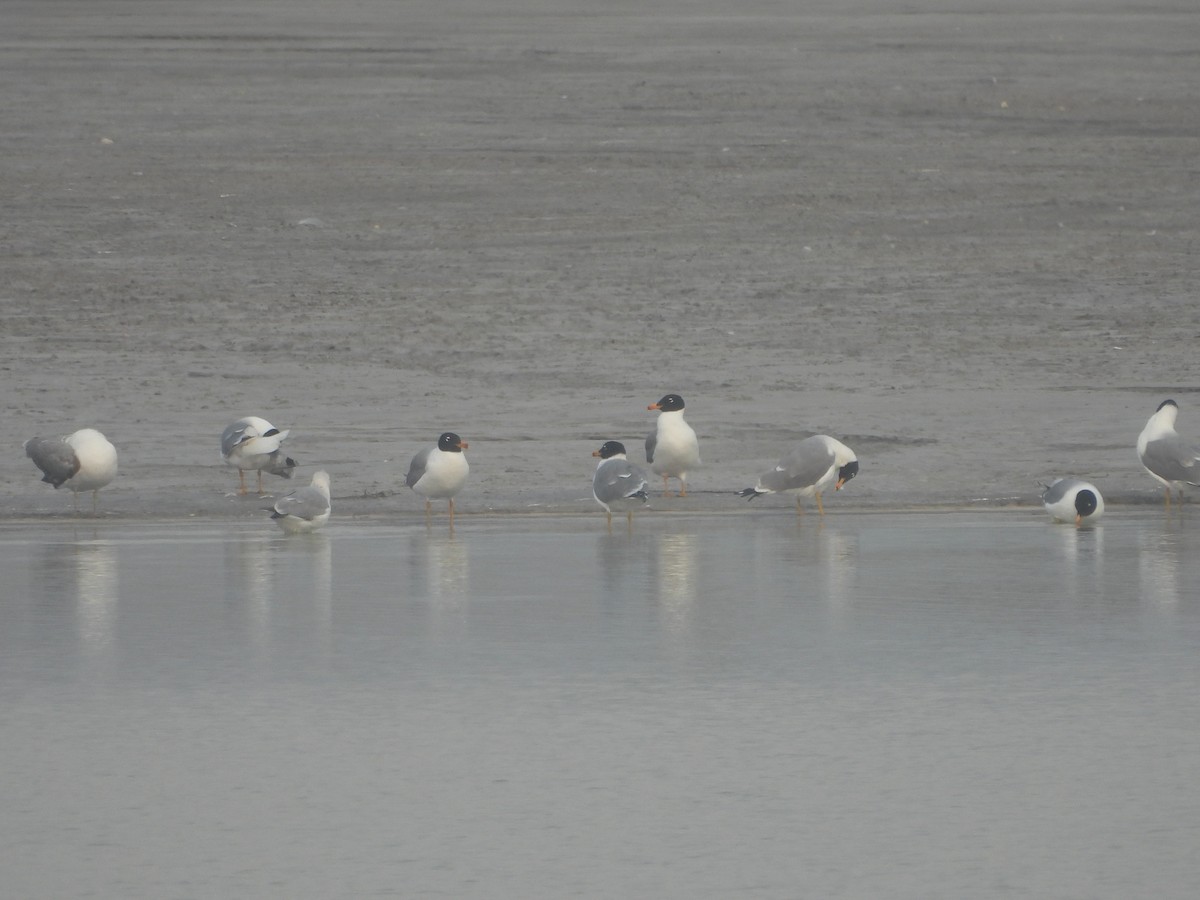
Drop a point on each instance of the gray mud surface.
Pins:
(963, 239)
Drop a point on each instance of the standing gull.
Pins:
(618, 482)
(304, 509)
(1164, 454)
(83, 461)
(254, 444)
(816, 463)
(1073, 500)
(672, 449)
(440, 471)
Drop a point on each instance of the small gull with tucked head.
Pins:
(1164, 454)
(1073, 500)
(672, 449)
(304, 509)
(815, 464)
(83, 461)
(440, 472)
(618, 483)
(254, 444)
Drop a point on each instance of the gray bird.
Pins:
(254, 444)
(83, 461)
(815, 464)
(304, 509)
(618, 483)
(1073, 500)
(1164, 454)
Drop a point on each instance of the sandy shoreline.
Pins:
(963, 242)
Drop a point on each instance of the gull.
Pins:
(618, 482)
(439, 471)
(83, 461)
(1072, 500)
(254, 444)
(814, 465)
(304, 509)
(1164, 454)
(672, 449)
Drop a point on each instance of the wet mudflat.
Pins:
(962, 240)
(880, 704)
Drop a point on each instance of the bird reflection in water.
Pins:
(675, 581)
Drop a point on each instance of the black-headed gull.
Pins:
(440, 472)
(672, 449)
(618, 483)
(1073, 500)
(814, 465)
(1164, 454)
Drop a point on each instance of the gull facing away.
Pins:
(618, 483)
(254, 444)
(1073, 500)
(1164, 454)
(440, 471)
(83, 461)
(304, 509)
(813, 465)
(672, 449)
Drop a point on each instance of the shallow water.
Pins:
(901, 705)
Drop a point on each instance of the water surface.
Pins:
(901, 705)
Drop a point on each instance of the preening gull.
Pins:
(813, 465)
(672, 449)
(83, 461)
(254, 444)
(1073, 500)
(304, 509)
(618, 483)
(1164, 454)
(439, 472)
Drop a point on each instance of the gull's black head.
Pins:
(609, 450)
(1085, 503)
(1167, 403)
(846, 472)
(451, 443)
(669, 403)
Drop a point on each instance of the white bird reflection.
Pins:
(623, 567)
(270, 575)
(675, 574)
(839, 563)
(300, 575)
(1082, 553)
(1158, 568)
(442, 561)
(826, 554)
(97, 591)
(78, 581)
(248, 582)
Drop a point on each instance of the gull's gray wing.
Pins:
(305, 503)
(417, 467)
(1058, 489)
(807, 464)
(233, 435)
(618, 479)
(55, 457)
(651, 443)
(1169, 458)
